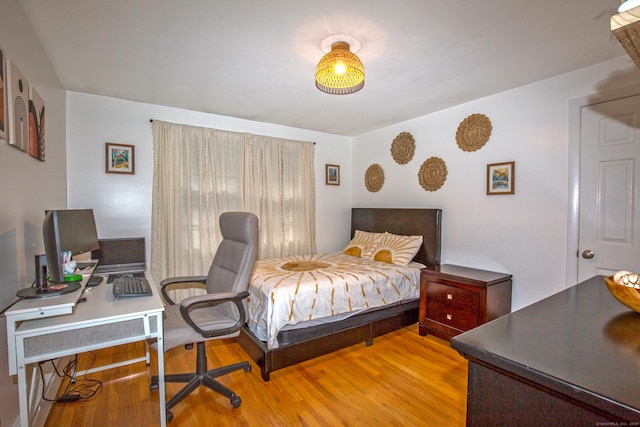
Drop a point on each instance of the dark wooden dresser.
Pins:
(455, 299)
(572, 359)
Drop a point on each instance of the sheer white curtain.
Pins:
(201, 172)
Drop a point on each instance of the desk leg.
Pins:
(11, 344)
(161, 396)
(22, 394)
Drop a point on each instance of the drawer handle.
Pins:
(449, 317)
(449, 296)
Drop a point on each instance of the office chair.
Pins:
(216, 315)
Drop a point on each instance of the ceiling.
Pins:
(256, 59)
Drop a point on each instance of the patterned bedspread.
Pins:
(290, 290)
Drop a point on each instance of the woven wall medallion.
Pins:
(374, 178)
(432, 174)
(473, 132)
(403, 147)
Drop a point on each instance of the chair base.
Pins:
(202, 377)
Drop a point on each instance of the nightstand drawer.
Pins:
(452, 296)
(455, 317)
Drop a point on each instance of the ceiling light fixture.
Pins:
(340, 71)
(629, 4)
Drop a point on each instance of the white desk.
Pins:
(48, 328)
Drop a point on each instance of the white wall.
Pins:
(27, 186)
(122, 203)
(523, 234)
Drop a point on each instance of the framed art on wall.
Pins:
(501, 178)
(4, 126)
(120, 158)
(333, 175)
(36, 125)
(18, 107)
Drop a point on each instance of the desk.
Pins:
(49, 328)
(570, 359)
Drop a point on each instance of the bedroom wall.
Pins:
(122, 203)
(523, 234)
(27, 186)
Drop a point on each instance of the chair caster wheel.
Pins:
(248, 368)
(236, 401)
(169, 416)
(154, 384)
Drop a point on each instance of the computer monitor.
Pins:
(77, 230)
(65, 230)
(52, 247)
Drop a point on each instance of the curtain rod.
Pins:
(151, 120)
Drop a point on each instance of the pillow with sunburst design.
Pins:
(363, 244)
(397, 249)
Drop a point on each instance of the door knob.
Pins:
(588, 254)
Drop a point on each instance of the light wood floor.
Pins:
(402, 380)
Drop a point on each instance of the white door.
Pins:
(609, 180)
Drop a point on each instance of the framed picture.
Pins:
(18, 107)
(4, 126)
(333, 175)
(501, 178)
(120, 158)
(36, 125)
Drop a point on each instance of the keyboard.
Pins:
(128, 286)
(113, 277)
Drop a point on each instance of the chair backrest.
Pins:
(234, 260)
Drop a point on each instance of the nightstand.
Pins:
(455, 299)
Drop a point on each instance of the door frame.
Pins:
(573, 205)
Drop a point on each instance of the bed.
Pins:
(276, 346)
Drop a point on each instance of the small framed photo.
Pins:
(333, 175)
(4, 124)
(501, 178)
(120, 158)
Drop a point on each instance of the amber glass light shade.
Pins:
(340, 71)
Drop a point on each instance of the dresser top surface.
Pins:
(453, 272)
(580, 340)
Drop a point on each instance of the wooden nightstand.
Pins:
(455, 299)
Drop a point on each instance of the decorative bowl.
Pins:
(627, 294)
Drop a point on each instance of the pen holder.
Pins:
(70, 267)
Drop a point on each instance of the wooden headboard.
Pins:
(409, 222)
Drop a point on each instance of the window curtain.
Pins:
(200, 173)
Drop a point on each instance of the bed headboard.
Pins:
(410, 222)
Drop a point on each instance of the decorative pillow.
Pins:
(397, 249)
(363, 244)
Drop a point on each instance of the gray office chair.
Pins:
(218, 314)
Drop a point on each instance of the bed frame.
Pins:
(297, 345)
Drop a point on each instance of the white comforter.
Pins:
(290, 290)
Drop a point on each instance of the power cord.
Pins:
(15, 302)
(83, 389)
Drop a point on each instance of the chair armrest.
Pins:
(167, 284)
(212, 300)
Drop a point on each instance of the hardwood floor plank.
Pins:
(403, 379)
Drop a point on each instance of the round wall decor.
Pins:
(432, 174)
(374, 178)
(473, 132)
(403, 147)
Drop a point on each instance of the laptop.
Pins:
(119, 257)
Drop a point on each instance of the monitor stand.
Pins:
(49, 290)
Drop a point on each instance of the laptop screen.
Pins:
(122, 251)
